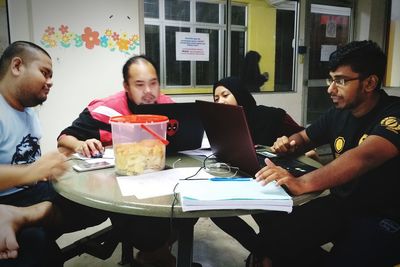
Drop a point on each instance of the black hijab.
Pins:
(242, 96)
(265, 123)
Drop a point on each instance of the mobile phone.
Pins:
(83, 166)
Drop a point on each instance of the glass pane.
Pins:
(272, 36)
(152, 35)
(284, 50)
(151, 8)
(318, 101)
(207, 71)
(206, 12)
(238, 15)
(329, 29)
(178, 72)
(177, 10)
(237, 51)
(326, 33)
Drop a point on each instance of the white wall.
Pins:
(3, 27)
(74, 86)
(363, 20)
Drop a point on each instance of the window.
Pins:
(269, 29)
(207, 12)
(164, 18)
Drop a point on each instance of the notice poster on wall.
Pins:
(192, 46)
(331, 29)
(326, 51)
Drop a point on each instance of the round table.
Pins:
(99, 189)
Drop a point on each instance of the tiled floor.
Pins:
(212, 247)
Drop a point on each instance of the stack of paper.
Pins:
(230, 193)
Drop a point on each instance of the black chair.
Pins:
(102, 245)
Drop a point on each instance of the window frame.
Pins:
(224, 48)
(193, 25)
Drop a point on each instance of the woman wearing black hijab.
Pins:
(266, 124)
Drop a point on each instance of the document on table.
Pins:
(87, 164)
(197, 152)
(156, 184)
(233, 194)
(108, 154)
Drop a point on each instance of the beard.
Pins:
(33, 101)
(149, 99)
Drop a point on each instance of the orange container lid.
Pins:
(143, 118)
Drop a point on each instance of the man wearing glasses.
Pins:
(361, 215)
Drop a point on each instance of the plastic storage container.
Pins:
(139, 143)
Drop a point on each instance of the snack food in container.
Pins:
(139, 143)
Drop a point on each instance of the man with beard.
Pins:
(91, 132)
(361, 215)
(26, 196)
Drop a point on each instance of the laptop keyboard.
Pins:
(295, 167)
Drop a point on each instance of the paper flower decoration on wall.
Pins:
(89, 39)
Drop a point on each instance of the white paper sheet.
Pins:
(156, 183)
(197, 152)
(108, 154)
(326, 51)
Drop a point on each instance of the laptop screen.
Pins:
(229, 136)
(185, 130)
(231, 142)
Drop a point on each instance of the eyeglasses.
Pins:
(340, 82)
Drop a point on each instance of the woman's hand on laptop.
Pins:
(282, 145)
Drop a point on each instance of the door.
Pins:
(328, 27)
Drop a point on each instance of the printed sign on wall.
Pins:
(192, 46)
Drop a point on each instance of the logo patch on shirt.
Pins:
(27, 151)
(391, 124)
(339, 144)
(362, 138)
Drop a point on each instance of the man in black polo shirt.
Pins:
(361, 215)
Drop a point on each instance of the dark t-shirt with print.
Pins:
(377, 191)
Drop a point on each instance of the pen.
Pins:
(231, 179)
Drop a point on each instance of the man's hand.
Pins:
(282, 145)
(50, 166)
(271, 172)
(90, 148)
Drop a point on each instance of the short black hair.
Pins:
(364, 57)
(22, 49)
(134, 60)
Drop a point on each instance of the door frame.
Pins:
(306, 15)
